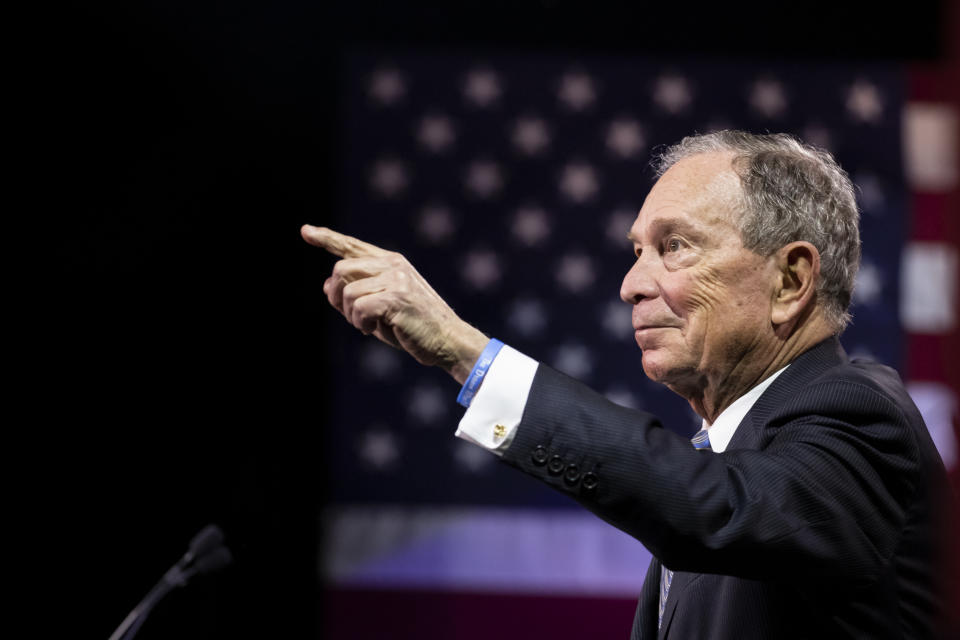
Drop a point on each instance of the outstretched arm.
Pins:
(380, 293)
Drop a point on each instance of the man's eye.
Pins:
(673, 244)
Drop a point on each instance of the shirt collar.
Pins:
(723, 428)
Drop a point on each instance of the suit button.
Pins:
(539, 455)
(555, 466)
(572, 474)
(590, 481)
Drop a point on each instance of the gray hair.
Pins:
(791, 191)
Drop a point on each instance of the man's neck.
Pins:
(719, 391)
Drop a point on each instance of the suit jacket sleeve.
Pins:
(825, 492)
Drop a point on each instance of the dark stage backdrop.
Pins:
(183, 367)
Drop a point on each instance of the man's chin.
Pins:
(662, 369)
(653, 366)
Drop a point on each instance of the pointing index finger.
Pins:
(339, 244)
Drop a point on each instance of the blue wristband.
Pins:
(475, 379)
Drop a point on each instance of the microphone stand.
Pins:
(206, 554)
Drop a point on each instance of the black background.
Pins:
(176, 363)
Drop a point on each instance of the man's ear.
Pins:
(798, 271)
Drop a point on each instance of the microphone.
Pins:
(207, 540)
(213, 561)
(206, 553)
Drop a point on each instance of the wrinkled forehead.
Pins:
(703, 188)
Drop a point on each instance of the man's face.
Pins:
(701, 300)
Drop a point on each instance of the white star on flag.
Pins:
(484, 179)
(435, 224)
(530, 135)
(576, 91)
(767, 98)
(621, 396)
(427, 404)
(618, 225)
(389, 178)
(379, 448)
(573, 360)
(576, 273)
(530, 226)
(672, 93)
(869, 284)
(481, 269)
(864, 102)
(379, 361)
(482, 87)
(471, 458)
(870, 193)
(718, 124)
(862, 352)
(817, 135)
(527, 317)
(617, 320)
(578, 182)
(436, 133)
(387, 86)
(625, 138)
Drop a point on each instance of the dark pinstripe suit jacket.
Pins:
(818, 521)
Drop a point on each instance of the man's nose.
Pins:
(638, 283)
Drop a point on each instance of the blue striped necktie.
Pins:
(700, 441)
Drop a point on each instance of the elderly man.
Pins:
(807, 506)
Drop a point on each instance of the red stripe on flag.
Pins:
(361, 614)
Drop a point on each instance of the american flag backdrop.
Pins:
(510, 182)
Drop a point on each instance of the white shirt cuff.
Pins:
(497, 408)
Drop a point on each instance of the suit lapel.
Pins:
(807, 366)
(681, 580)
(645, 618)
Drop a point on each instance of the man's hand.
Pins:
(379, 292)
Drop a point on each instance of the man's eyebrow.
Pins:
(666, 225)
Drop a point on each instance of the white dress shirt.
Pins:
(492, 419)
(723, 428)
